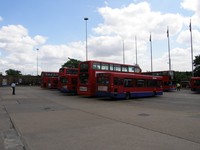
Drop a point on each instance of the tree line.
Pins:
(179, 76)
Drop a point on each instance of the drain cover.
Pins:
(143, 115)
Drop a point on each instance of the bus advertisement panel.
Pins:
(125, 86)
(87, 74)
(49, 79)
(195, 84)
(67, 80)
(168, 79)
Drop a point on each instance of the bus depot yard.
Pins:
(45, 119)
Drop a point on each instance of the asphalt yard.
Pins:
(42, 119)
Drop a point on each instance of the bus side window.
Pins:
(124, 69)
(96, 66)
(117, 68)
(104, 67)
(128, 82)
(153, 83)
(111, 67)
(118, 81)
(131, 69)
(140, 83)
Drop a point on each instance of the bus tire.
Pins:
(127, 96)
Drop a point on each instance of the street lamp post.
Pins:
(37, 60)
(169, 49)
(190, 27)
(86, 19)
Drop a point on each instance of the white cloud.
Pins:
(137, 19)
(17, 47)
(194, 6)
(1, 18)
(190, 5)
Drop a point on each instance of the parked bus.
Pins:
(87, 74)
(125, 86)
(67, 80)
(168, 79)
(195, 84)
(49, 79)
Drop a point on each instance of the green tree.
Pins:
(13, 72)
(182, 76)
(71, 63)
(196, 64)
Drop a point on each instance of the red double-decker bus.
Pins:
(168, 79)
(67, 80)
(49, 80)
(195, 84)
(125, 86)
(87, 74)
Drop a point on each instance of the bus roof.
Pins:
(96, 61)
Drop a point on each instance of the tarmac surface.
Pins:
(42, 119)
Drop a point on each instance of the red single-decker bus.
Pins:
(168, 79)
(125, 86)
(87, 74)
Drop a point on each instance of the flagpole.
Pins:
(190, 27)
(169, 48)
(151, 52)
(136, 49)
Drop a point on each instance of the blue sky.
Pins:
(57, 28)
(62, 21)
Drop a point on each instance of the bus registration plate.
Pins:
(83, 89)
(102, 88)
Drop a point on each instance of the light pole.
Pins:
(151, 52)
(169, 48)
(190, 27)
(37, 60)
(86, 19)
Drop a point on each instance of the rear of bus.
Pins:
(68, 80)
(169, 81)
(69, 83)
(195, 84)
(103, 84)
(110, 85)
(44, 80)
(86, 79)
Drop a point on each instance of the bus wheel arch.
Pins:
(154, 93)
(127, 96)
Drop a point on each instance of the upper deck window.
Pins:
(131, 69)
(96, 66)
(124, 69)
(84, 67)
(117, 68)
(104, 67)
